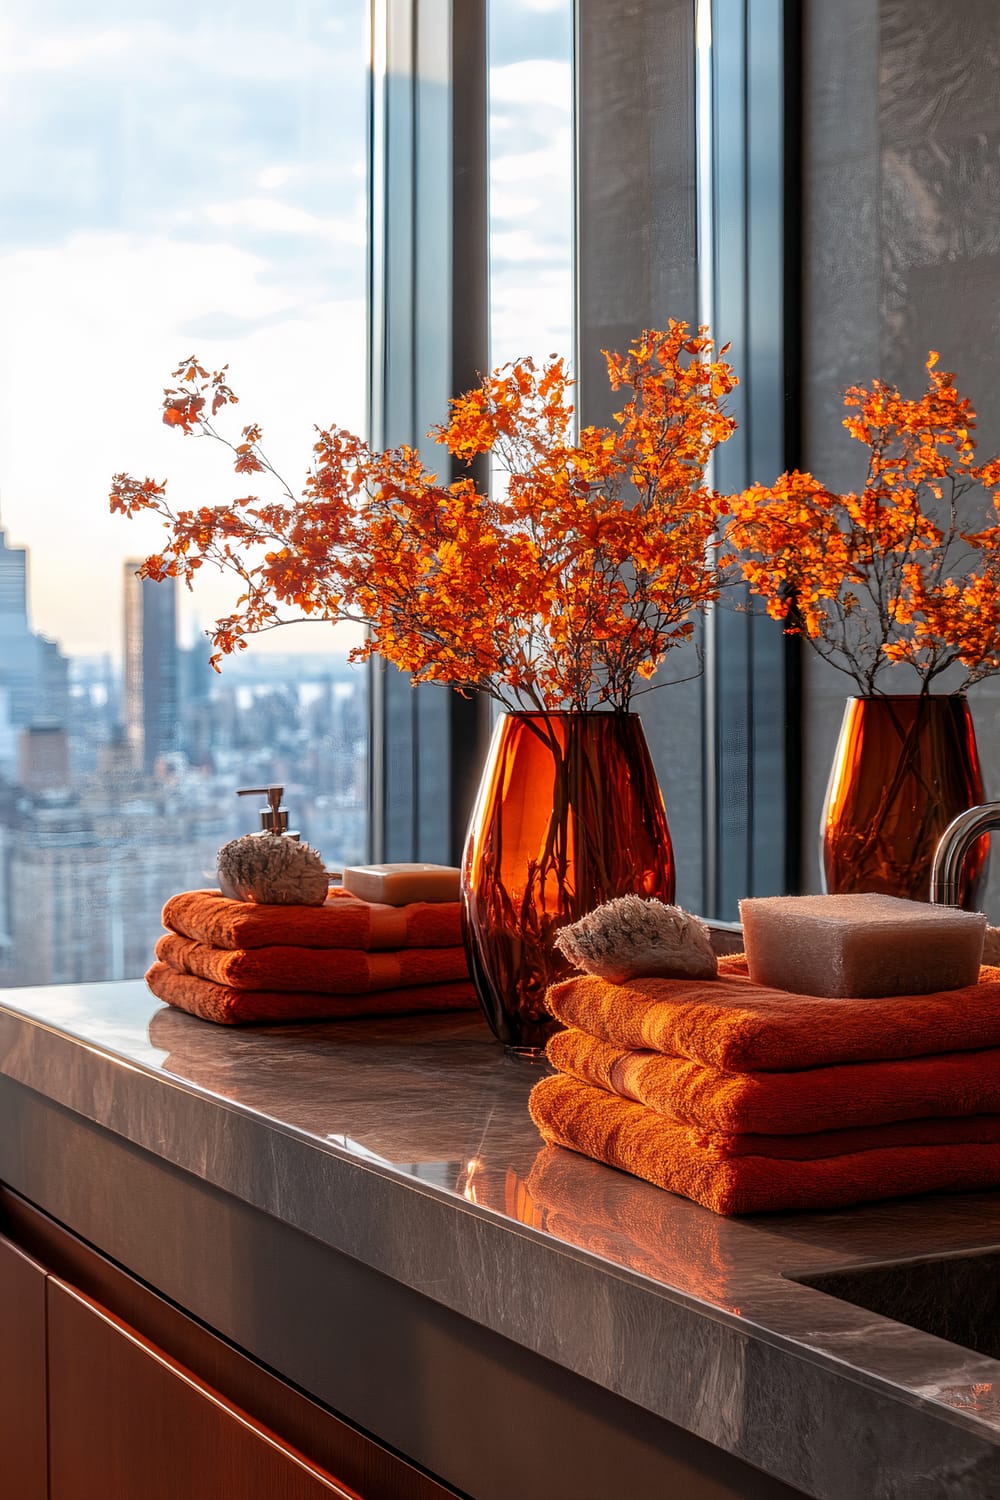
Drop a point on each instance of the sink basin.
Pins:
(956, 1297)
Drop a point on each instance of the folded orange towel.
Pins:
(335, 971)
(344, 921)
(637, 1140)
(732, 1024)
(219, 1002)
(785, 1104)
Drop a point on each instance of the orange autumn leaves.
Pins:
(895, 573)
(572, 578)
(589, 561)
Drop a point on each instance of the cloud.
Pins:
(212, 50)
(522, 247)
(91, 333)
(534, 173)
(531, 29)
(272, 216)
(533, 81)
(142, 125)
(532, 314)
(42, 52)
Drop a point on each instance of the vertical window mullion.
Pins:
(753, 758)
(429, 256)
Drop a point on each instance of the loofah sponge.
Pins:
(635, 939)
(272, 870)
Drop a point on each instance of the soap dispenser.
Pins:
(272, 867)
(273, 817)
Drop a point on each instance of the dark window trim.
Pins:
(428, 339)
(752, 679)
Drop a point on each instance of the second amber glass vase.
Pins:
(569, 815)
(904, 767)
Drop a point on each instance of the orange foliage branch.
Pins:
(560, 589)
(894, 573)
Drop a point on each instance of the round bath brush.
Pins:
(635, 939)
(272, 870)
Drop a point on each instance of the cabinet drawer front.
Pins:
(332, 1445)
(127, 1423)
(22, 1375)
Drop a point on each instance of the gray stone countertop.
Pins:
(406, 1144)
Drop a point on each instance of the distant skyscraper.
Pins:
(152, 666)
(32, 668)
(43, 758)
(13, 582)
(18, 647)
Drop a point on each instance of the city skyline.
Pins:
(118, 784)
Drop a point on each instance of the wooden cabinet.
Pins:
(22, 1374)
(127, 1422)
(109, 1392)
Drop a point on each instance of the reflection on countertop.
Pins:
(434, 1102)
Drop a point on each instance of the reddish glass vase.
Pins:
(569, 815)
(904, 767)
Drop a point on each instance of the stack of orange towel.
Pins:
(233, 962)
(749, 1099)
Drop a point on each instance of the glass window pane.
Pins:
(531, 151)
(169, 184)
(531, 178)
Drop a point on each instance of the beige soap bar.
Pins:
(860, 946)
(398, 885)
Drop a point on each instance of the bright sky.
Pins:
(192, 182)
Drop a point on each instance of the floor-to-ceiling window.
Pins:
(171, 183)
(583, 119)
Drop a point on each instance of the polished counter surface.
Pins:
(406, 1144)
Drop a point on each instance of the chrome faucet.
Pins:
(953, 847)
